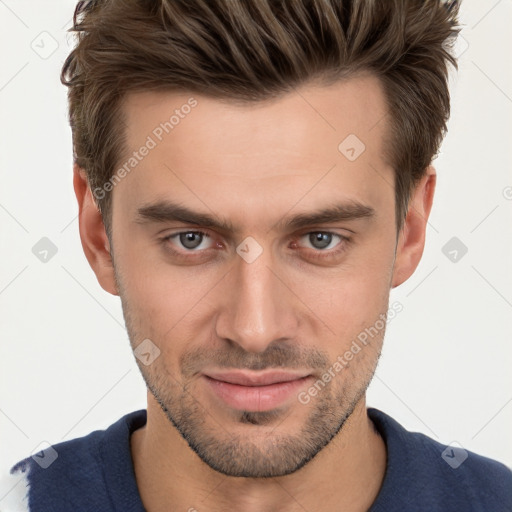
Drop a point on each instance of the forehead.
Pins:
(314, 143)
(308, 114)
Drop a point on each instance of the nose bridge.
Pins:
(258, 310)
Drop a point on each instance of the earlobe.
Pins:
(94, 238)
(411, 241)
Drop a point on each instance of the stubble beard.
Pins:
(264, 456)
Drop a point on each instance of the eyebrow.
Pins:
(168, 211)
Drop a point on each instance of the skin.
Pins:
(254, 165)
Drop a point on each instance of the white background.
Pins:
(65, 363)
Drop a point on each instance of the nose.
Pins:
(258, 307)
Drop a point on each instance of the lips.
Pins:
(245, 378)
(255, 391)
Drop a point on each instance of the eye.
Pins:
(323, 244)
(189, 240)
(320, 239)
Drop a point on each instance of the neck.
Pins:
(346, 474)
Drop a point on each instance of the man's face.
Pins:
(238, 310)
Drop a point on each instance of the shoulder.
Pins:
(65, 474)
(424, 474)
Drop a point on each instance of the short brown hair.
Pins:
(253, 50)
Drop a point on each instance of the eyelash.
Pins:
(321, 254)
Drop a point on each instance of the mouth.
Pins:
(255, 391)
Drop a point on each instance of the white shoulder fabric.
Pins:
(14, 492)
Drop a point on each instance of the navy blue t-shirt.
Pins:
(95, 473)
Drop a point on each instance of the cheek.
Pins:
(359, 287)
(352, 307)
(165, 302)
(351, 300)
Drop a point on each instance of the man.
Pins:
(253, 178)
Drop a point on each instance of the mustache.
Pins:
(235, 357)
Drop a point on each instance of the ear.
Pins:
(92, 233)
(411, 241)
